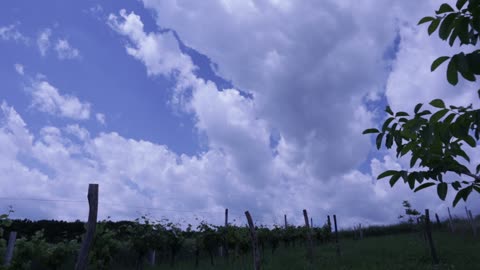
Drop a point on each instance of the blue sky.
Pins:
(103, 75)
(198, 107)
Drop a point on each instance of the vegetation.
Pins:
(128, 245)
(438, 141)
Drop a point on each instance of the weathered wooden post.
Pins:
(225, 244)
(253, 235)
(336, 235)
(10, 248)
(428, 231)
(285, 218)
(439, 225)
(329, 223)
(151, 257)
(471, 221)
(309, 238)
(82, 260)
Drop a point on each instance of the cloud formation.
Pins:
(47, 98)
(10, 32)
(43, 40)
(65, 50)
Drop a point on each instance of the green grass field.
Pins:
(407, 251)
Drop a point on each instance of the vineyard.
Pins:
(150, 244)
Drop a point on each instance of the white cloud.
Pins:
(101, 118)
(10, 32)
(411, 80)
(319, 124)
(136, 173)
(43, 41)
(307, 67)
(46, 98)
(159, 52)
(65, 50)
(19, 69)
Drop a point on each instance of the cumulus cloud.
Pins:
(138, 177)
(65, 50)
(47, 98)
(10, 32)
(309, 94)
(306, 69)
(61, 46)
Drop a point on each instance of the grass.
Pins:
(396, 252)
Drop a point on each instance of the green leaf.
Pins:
(389, 110)
(437, 103)
(422, 186)
(436, 116)
(379, 140)
(470, 141)
(417, 108)
(452, 75)
(462, 29)
(426, 112)
(464, 67)
(411, 183)
(387, 123)
(438, 62)
(453, 37)
(408, 147)
(460, 152)
(449, 118)
(433, 26)
(414, 159)
(425, 19)
(370, 130)
(395, 178)
(476, 23)
(446, 26)
(442, 189)
(398, 114)
(386, 173)
(462, 194)
(444, 8)
(456, 185)
(389, 141)
(460, 4)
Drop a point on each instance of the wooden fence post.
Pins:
(439, 224)
(151, 257)
(336, 235)
(10, 248)
(92, 196)
(285, 218)
(452, 228)
(225, 244)
(428, 231)
(253, 235)
(309, 238)
(329, 223)
(472, 222)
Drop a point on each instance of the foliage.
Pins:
(104, 248)
(436, 143)
(37, 252)
(411, 213)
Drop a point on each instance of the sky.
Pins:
(180, 109)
